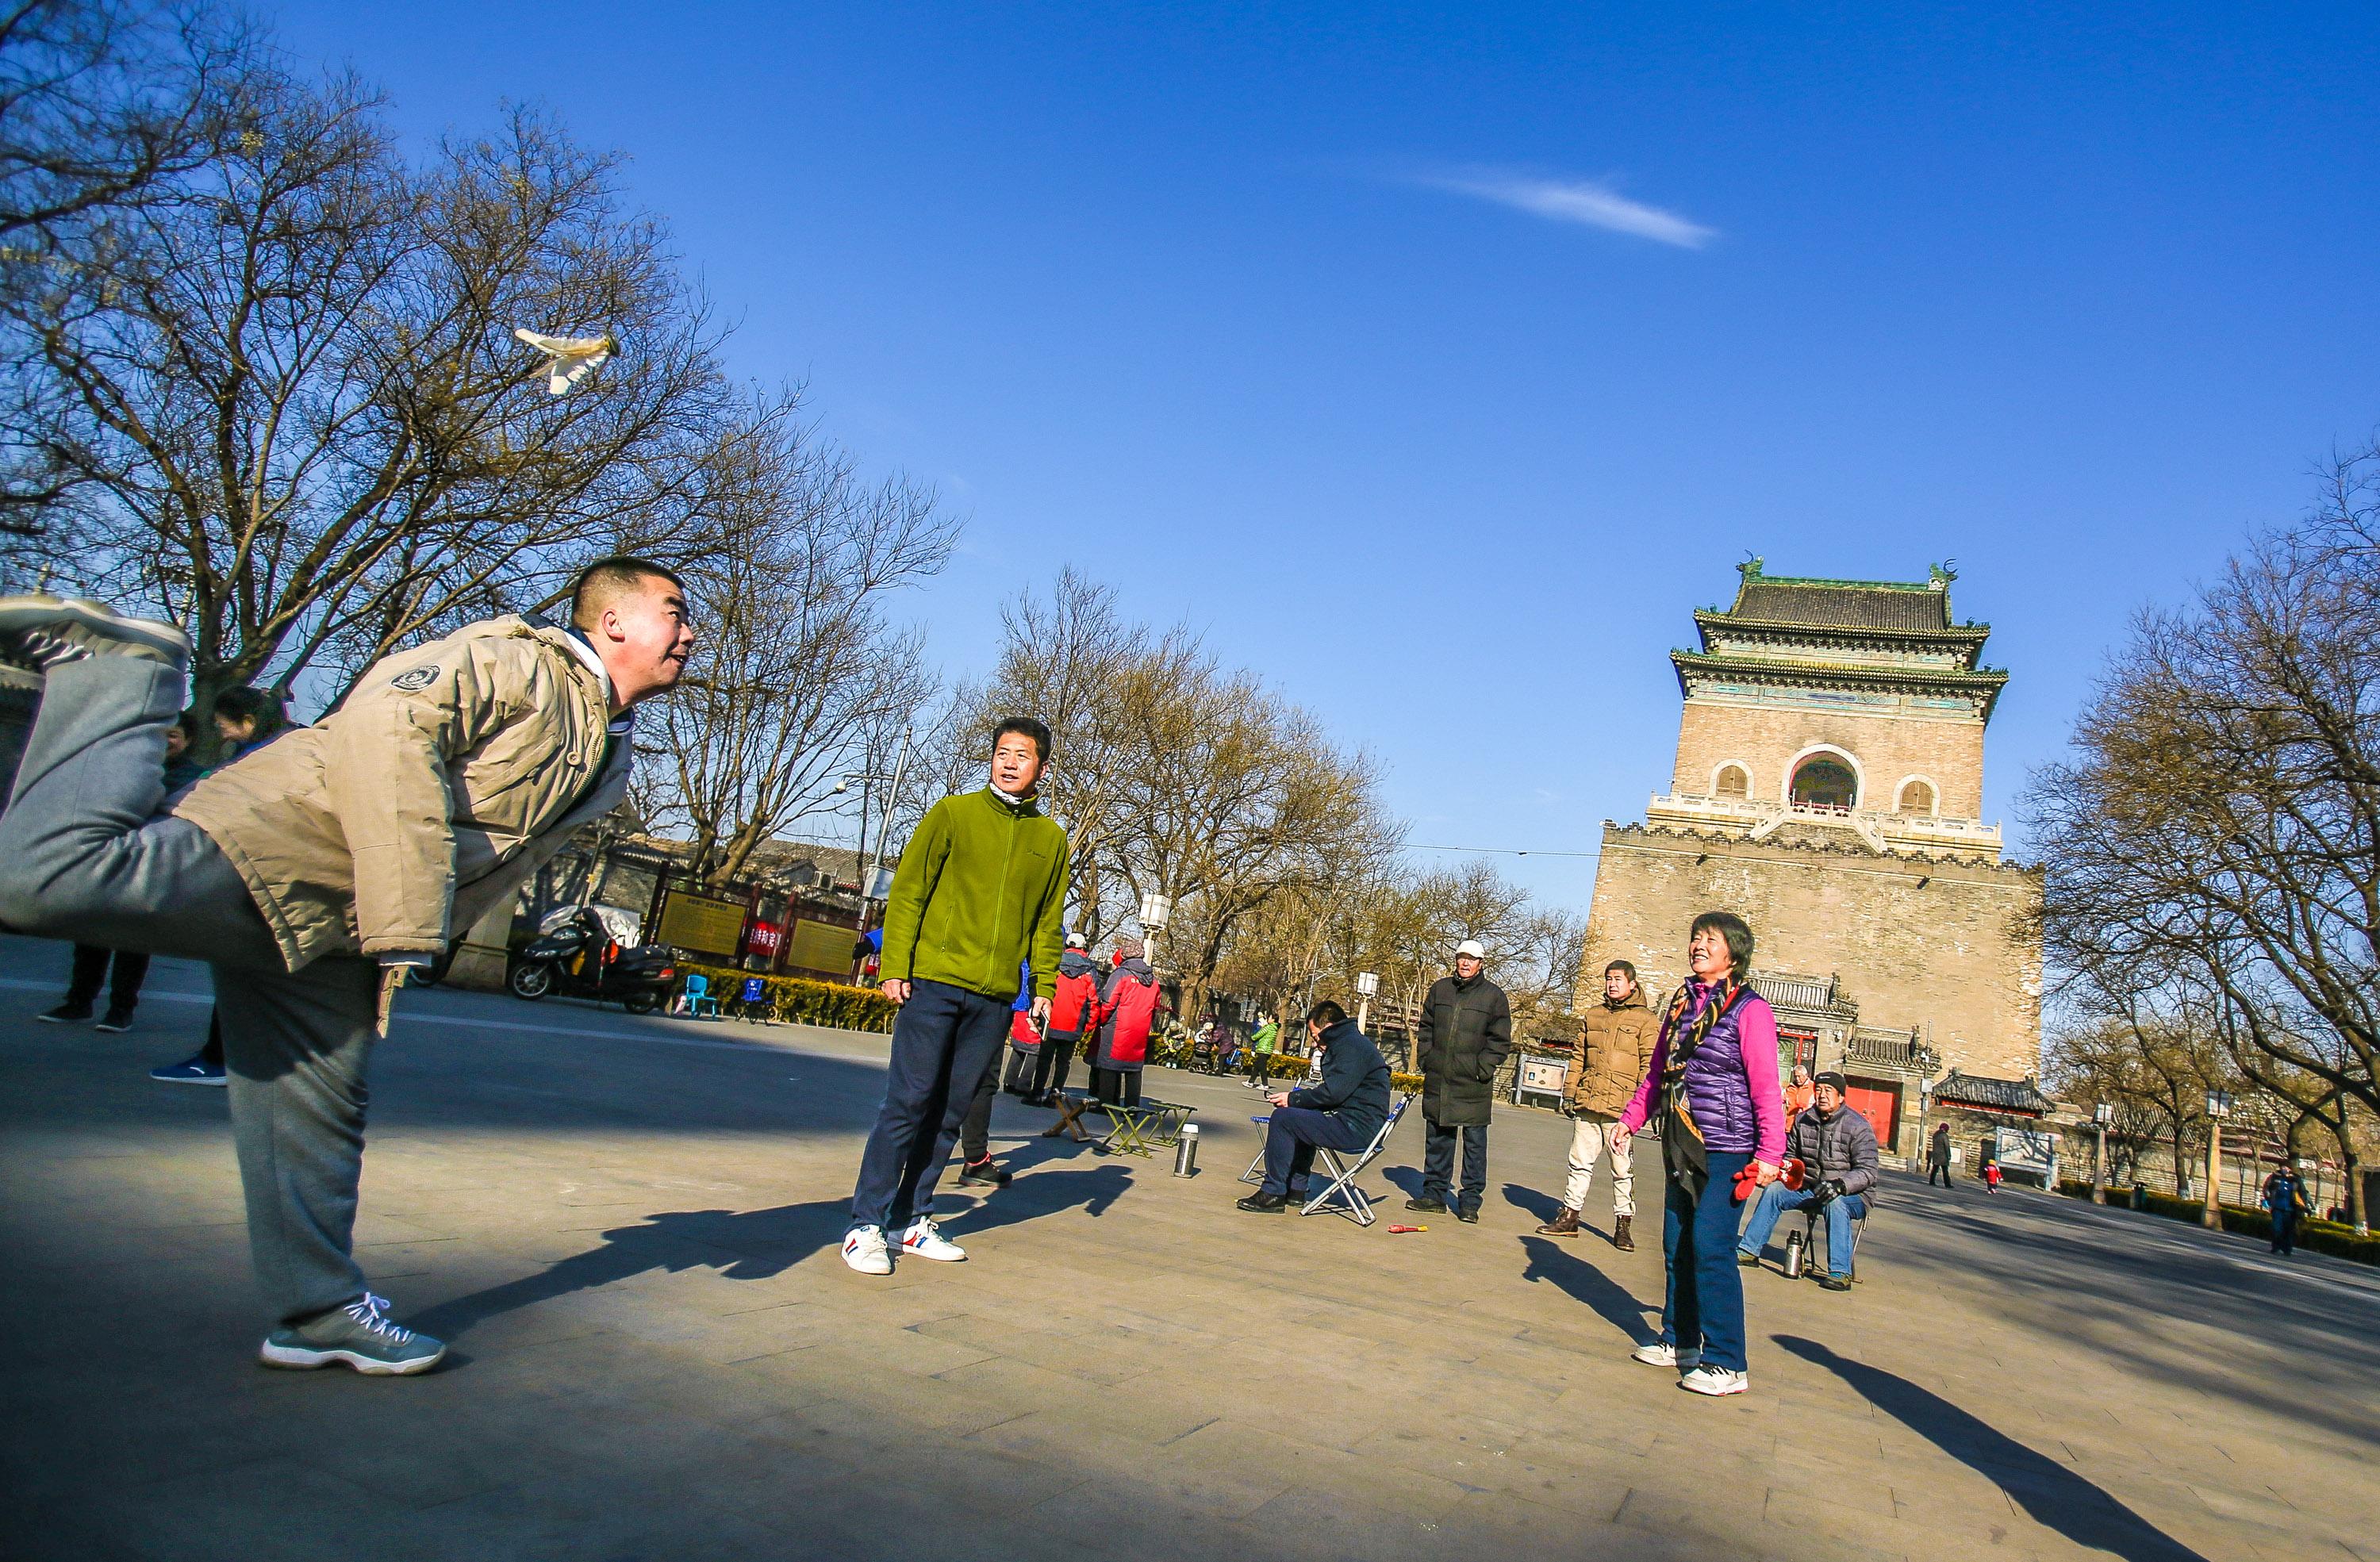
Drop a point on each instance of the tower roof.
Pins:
(1889, 606)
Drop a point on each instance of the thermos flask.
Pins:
(1186, 1151)
(1794, 1255)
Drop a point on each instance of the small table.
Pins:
(1134, 1130)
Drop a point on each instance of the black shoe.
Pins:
(66, 1015)
(986, 1173)
(1426, 1204)
(116, 1020)
(1468, 1216)
(1827, 1282)
(1265, 1203)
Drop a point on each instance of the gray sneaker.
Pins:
(39, 631)
(358, 1334)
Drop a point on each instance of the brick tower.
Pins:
(1829, 788)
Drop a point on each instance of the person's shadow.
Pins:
(759, 1244)
(1550, 1261)
(2054, 1495)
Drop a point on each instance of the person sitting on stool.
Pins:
(1837, 1149)
(1343, 1113)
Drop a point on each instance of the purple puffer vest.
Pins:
(1717, 1091)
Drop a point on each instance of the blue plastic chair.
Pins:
(697, 996)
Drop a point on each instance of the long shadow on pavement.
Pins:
(755, 1244)
(2054, 1495)
(1549, 1260)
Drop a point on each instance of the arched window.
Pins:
(1824, 781)
(1732, 782)
(1917, 798)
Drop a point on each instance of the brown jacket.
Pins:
(1612, 1057)
(445, 780)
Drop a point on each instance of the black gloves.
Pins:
(1830, 1189)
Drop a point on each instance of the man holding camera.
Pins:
(1837, 1149)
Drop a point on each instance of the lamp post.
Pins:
(2100, 1116)
(883, 826)
(2218, 1102)
(1367, 984)
(1155, 911)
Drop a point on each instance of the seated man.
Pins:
(1837, 1149)
(1343, 1113)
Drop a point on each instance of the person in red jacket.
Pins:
(1073, 1014)
(1127, 1006)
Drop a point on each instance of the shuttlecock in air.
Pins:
(569, 357)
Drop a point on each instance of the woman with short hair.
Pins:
(1712, 1090)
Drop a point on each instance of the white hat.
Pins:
(1471, 946)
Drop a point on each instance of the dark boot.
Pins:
(1619, 1237)
(1562, 1224)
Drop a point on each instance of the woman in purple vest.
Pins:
(1712, 1090)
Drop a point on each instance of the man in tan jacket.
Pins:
(1610, 1064)
(315, 871)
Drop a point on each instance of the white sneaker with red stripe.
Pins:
(862, 1249)
(922, 1240)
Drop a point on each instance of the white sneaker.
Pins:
(1659, 1354)
(925, 1241)
(862, 1249)
(1714, 1381)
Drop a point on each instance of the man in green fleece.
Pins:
(981, 889)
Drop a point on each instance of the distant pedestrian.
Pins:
(1991, 1174)
(1617, 1035)
(2285, 1202)
(1128, 1012)
(1466, 1032)
(1073, 1011)
(1712, 1088)
(1937, 1156)
(1260, 1050)
(93, 965)
(980, 890)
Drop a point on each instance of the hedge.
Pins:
(2332, 1237)
(803, 1002)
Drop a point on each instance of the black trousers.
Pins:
(1117, 1086)
(1050, 1067)
(1438, 1164)
(91, 970)
(975, 1133)
(1931, 1168)
(1020, 1070)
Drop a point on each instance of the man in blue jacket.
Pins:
(1343, 1113)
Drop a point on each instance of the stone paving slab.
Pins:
(628, 1230)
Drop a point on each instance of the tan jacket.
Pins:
(1612, 1057)
(447, 779)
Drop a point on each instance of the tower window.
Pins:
(1917, 798)
(1824, 781)
(1733, 782)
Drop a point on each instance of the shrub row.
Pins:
(803, 1002)
(2332, 1237)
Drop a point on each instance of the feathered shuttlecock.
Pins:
(569, 357)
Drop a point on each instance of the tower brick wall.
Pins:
(1948, 750)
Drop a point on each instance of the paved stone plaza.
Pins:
(627, 1229)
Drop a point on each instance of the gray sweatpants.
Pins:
(84, 855)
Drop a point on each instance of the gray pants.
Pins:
(83, 855)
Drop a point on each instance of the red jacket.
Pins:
(1075, 1006)
(1021, 1033)
(1126, 1009)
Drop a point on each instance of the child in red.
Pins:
(1991, 1177)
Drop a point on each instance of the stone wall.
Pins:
(1948, 750)
(1936, 944)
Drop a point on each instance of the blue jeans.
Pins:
(1438, 1164)
(1705, 1303)
(945, 1040)
(1289, 1139)
(1776, 1198)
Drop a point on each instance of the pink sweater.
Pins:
(1756, 1026)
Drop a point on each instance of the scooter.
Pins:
(574, 954)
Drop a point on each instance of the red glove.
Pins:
(1795, 1173)
(1748, 1182)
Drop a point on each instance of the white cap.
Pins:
(1471, 946)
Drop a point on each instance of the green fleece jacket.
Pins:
(982, 889)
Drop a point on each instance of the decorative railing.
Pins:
(1881, 832)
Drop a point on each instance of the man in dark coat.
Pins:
(1466, 1029)
(1342, 1112)
(1937, 1156)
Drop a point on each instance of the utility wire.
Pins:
(1501, 851)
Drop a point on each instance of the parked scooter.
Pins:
(574, 954)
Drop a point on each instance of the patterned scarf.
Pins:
(1682, 1138)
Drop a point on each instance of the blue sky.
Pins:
(1435, 362)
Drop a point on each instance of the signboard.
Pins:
(821, 946)
(2028, 1150)
(702, 923)
(763, 939)
(1539, 1077)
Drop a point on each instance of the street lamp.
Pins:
(883, 826)
(2101, 1114)
(2218, 1102)
(1155, 911)
(1367, 984)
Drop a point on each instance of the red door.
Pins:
(1880, 1104)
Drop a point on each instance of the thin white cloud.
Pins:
(1588, 202)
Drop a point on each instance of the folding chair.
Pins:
(1342, 1196)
